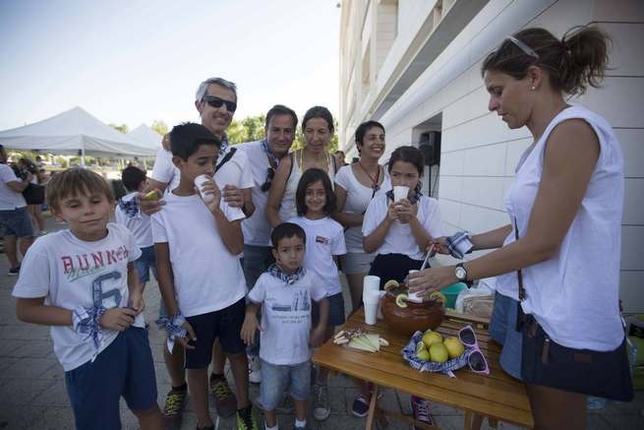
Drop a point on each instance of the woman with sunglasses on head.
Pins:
(559, 257)
(317, 127)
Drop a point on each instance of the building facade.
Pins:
(414, 65)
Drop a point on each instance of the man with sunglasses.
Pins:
(264, 156)
(216, 102)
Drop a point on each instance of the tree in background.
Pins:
(160, 127)
(123, 128)
(248, 129)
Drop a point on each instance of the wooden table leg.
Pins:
(472, 421)
(372, 408)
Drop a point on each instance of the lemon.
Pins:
(437, 295)
(401, 300)
(391, 284)
(420, 346)
(454, 347)
(423, 355)
(432, 337)
(152, 195)
(438, 353)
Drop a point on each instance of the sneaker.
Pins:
(175, 403)
(360, 406)
(246, 419)
(321, 409)
(420, 408)
(254, 370)
(42, 232)
(304, 427)
(225, 400)
(14, 271)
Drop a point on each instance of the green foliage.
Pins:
(123, 128)
(248, 129)
(160, 127)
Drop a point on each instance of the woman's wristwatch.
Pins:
(461, 274)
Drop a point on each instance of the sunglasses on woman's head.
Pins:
(216, 102)
(270, 174)
(476, 360)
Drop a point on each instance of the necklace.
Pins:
(374, 181)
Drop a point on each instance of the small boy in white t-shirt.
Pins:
(197, 238)
(128, 213)
(284, 293)
(83, 283)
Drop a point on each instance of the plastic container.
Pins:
(451, 293)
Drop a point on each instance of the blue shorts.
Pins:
(125, 368)
(279, 379)
(503, 330)
(224, 324)
(145, 263)
(336, 311)
(17, 222)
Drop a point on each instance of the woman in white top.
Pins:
(355, 186)
(565, 207)
(317, 127)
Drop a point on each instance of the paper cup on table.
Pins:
(400, 192)
(371, 302)
(370, 283)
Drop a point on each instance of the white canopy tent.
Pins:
(74, 132)
(146, 136)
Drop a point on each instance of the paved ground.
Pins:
(33, 395)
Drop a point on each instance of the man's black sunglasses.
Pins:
(270, 174)
(216, 102)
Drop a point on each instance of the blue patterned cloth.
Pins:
(223, 147)
(274, 160)
(172, 325)
(86, 321)
(413, 199)
(130, 207)
(459, 244)
(409, 354)
(288, 278)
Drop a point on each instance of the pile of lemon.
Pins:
(432, 347)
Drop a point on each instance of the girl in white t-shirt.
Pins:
(401, 231)
(315, 201)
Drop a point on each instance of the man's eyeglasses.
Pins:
(270, 174)
(216, 102)
(476, 360)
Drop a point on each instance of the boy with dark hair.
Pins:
(196, 233)
(128, 213)
(284, 293)
(83, 283)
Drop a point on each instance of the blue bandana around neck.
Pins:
(413, 199)
(224, 146)
(269, 153)
(289, 278)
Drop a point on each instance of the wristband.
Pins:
(459, 244)
(86, 321)
(172, 325)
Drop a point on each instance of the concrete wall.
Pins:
(479, 152)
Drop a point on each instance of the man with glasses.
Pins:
(216, 102)
(264, 156)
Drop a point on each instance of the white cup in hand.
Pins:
(400, 192)
(200, 181)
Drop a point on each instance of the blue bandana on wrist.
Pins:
(412, 199)
(289, 278)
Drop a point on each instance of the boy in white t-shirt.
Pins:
(284, 293)
(83, 283)
(197, 240)
(128, 213)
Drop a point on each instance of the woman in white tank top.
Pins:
(566, 202)
(317, 127)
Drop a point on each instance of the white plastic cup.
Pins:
(370, 283)
(400, 192)
(200, 181)
(371, 302)
(414, 297)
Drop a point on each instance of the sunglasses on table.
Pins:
(270, 174)
(476, 360)
(216, 102)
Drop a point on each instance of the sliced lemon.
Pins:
(437, 295)
(420, 347)
(391, 284)
(401, 300)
